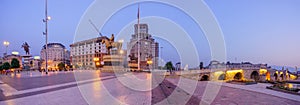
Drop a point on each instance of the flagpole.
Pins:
(138, 35)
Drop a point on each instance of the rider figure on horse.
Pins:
(26, 48)
(112, 38)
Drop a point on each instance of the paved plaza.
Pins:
(82, 87)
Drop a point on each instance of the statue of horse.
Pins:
(110, 44)
(26, 48)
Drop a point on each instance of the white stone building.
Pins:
(84, 52)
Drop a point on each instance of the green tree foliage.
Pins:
(201, 65)
(169, 66)
(1, 68)
(6, 66)
(61, 66)
(15, 63)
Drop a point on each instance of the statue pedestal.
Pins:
(113, 63)
(27, 59)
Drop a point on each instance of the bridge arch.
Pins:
(204, 77)
(222, 77)
(281, 76)
(238, 76)
(275, 76)
(255, 76)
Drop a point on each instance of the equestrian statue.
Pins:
(109, 43)
(26, 48)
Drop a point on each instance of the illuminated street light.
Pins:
(98, 63)
(149, 62)
(121, 41)
(6, 43)
(48, 18)
(96, 59)
(121, 52)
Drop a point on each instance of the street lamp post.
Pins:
(149, 62)
(47, 18)
(97, 62)
(6, 43)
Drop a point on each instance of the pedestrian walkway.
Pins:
(260, 88)
(28, 74)
(6, 89)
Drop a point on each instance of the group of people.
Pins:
(6, 72)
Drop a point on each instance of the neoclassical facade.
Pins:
(56, 53)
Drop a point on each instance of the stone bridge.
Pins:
(238, 74)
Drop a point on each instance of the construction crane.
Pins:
(95, 27)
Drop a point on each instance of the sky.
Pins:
(256, 31)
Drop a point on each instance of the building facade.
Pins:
(8, 58)
(57, 53)
(84, 52)
(149, 49)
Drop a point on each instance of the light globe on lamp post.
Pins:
(47, 18)
(149, 62)
(6, 43)
(97, 62)
(121, 52)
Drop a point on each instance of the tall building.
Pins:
(84, 52)
(57, 53)
(148, 47)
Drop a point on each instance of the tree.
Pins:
(6, 66)
(61, 66)
(1, 68)
(169, 66)
(15, 63)
(201, 65)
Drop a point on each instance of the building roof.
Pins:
(54, 45)
(97, 39)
